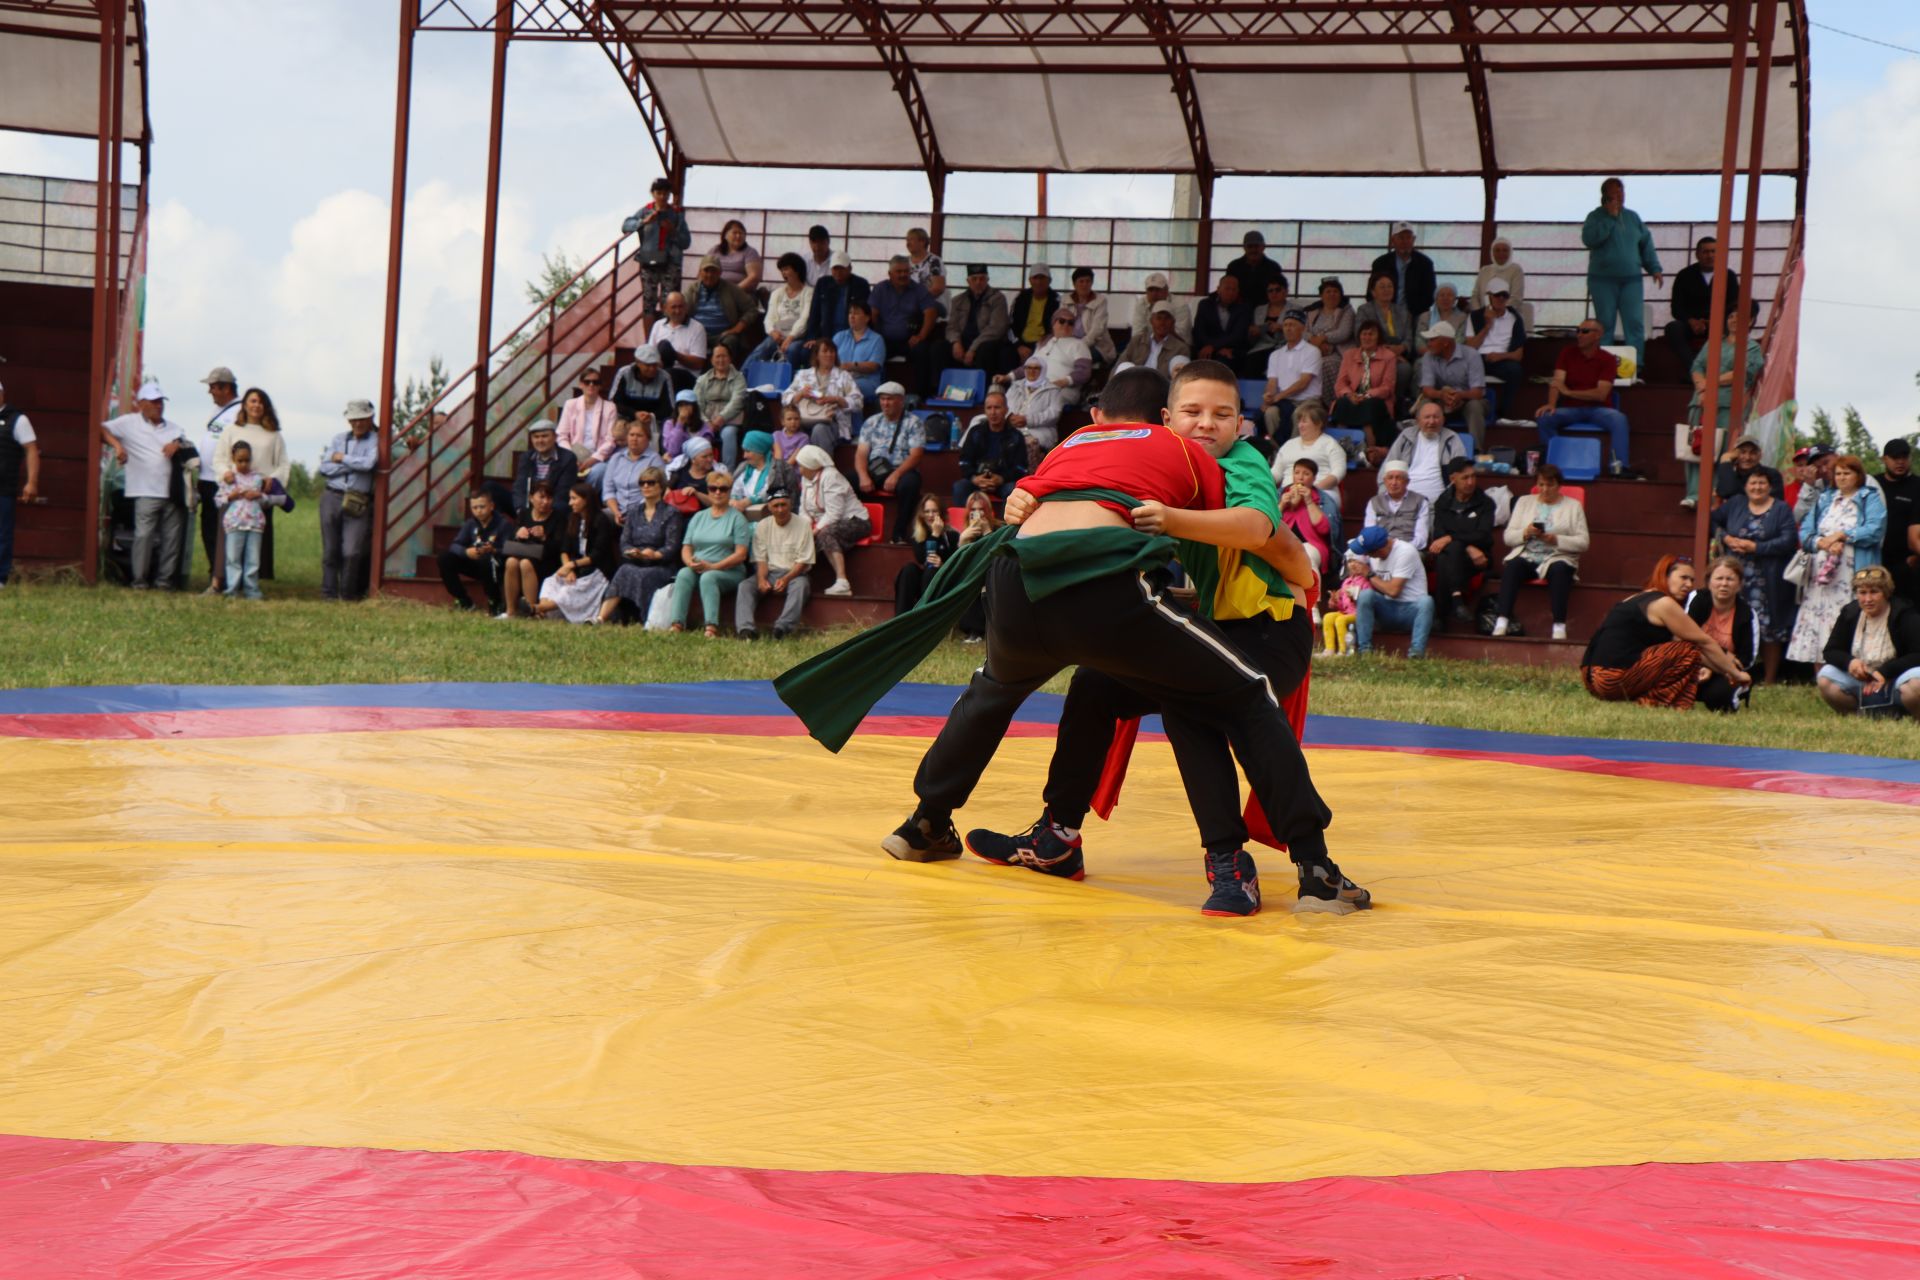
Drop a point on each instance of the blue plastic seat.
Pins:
(1466, 442)
(1252, 392)
(971, 383)
(1578, 457)
(777, 374)
(1352, 437)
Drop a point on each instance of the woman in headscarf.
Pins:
(1069, 359)
(838, 517)
(1034, 404)
(752, 478)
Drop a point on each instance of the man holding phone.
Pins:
(993, 456)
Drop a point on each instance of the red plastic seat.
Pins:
(876, 521)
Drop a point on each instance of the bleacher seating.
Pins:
(971, 382)
(1578, 457)
(777, 374)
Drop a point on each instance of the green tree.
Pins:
(561, 279)
(1859, 442)
(300, 482)
(419, 393)
(1822, 432)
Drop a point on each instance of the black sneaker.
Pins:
(748, 634)
(919, 840)
(1236, 885)
(1323, 888)
(1039, 848)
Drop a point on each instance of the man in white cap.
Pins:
(19, 457)
(887, 461)
(643, 387)
(1498, 333)
(1411, 269)
(346, 505)
(1156, 344)
(1158, 291)
(831, 297)
(144, 443)
(224, 390)
(1453, 377)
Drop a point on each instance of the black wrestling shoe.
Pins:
(1236, 885)
(1039, 848)
(1324, 889)
(920, 840)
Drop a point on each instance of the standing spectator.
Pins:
(1723, 613)
(346, 505)
(1741, 461)
(729, 314)
(739, 261)
(643, 387)
(1427, 448)
(932, 542)
(1901, 489)
(534, 554)
(479, 552)
(1396, 597)
(1034, 404)
(243, 501)
(1254, 269)
(589, 555)
(1842, 535)
(1446, 308)
(1030, 318)
(721, 393)
(1731, 367)
(1397, 509)
(1330, 327)
(19, 458)
(905, 317)
(1069, 360)
(649, 549)
(1412, 271)
(1154, 292)
(1293, 378)
(993, 454)
(1090, 316)
(545, 460)
(224, 390)
(589, 428)
(826, 397)
(259, 426)
(144, 442)
(1758, 527)
(620, 486)
(1365, 392)
(862, 351)
(1300, 511)
(1547, 533)
(833, 298)
(1222, 323)
(1647, 650)
(782, 557)
(1157, 345)
(1874, 644)
(838, 519)
(1462, 542)
(819, 253)
(1500, 336)
(1453, 377)
(923, 264)
(977, 323)
(664, 241)
(1686, 333)
(1583, 375)
(713, 554)
(1504, 267)
(887, 460)
(789, 307)
(1619, 250)
(680, 341)
(1265, 334)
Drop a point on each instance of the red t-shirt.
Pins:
(1585, 372)
(1149, 462)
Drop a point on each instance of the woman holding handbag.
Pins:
(1760, 531)
(826, 396)
(534, 553)
(589, 555)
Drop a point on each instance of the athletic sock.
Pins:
(1069, 834)
(935, 818)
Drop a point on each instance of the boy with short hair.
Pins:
(478, 551)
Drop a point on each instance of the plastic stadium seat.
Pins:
(1351, 436)
(1578, 457)
(1252, 392)
(971, 383)
(876, 522)
(956, 517)
(1466, 442)
(777, 374)
(1578, 492)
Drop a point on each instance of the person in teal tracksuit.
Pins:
(1619, 251)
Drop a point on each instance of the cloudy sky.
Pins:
(274, 126)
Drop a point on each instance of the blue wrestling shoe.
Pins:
(1236, 885)
(920, 839)
(1043, 847)
(1323, 888)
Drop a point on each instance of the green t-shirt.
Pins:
(1230, 584)
(713, 538)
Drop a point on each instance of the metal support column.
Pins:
(937, 225)
(489, 238)
(1490, 216)
(1764, 22)
(390, 342)
(1040, 195)
(1203, 251)
(112, 35)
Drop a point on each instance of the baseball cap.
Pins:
(976, 268)
(709, 261)
(1398, 227)
(840, 259)
(648, 354)
(1896, 448)
(686, 397)
(1815, 452)
(1369, 542)
(1441, 329)
(220, 373)
(1161, 309)
(1039, 269)
(355, 409)
(890, 389)
(1497, 285)
(1157, 281)
(1392, 465)
(1747, 442)
(150, 391)
(540, 424)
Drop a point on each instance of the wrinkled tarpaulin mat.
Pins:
(223, 959)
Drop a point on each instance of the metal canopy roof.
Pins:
(1283, 87)
(50, 67)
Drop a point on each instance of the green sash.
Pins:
(832, 692)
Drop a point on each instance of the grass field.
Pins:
(65, 634)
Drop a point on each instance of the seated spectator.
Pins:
(589, 428)
(664, 239)
(1069, 359)
(1090, 316)
(1222, 323)
(589, 556)
(1723, 613)
(1030, 318)
(1462, 542)
(1034, 405)
(1301, 511)
(1873, 646)
(1759, 528)
(1647, 650)
(887, 460)
(1157, 291)
(1156, 344)
(789, 307)
(1453, 377)
(680, 341)
(478, 552)
(649, 550)
(1583, 377)
(826, 397)
(722, 396)
(977, 323)
(687, 478)
(788, 441)
(713, 556)
(1447, 309)
(1396, 597)
(1842, 534)
(1692, 301)
(1310, 440)
(905, 317)
(1330, 327)
(1293, 378)
(739, 261)
(1397, 509)
(830, 506)
(1740, 462)
(923, 264)
(543, 460)
(1413, 275)
(620, 485)
(644, 387)
(819, 256)
(754, 476)
(833, 297)
(1547, 532)
(1340, 608)
(1390, 316)
(782, 557)
(1265, 334)
(862, 351)
(1730, 366)
(993, 453)
(1364, 391)
(534, 553)
(932, 542)
(1504, 267)
(1500, 336)
(981, 521)
(683, 429)
(729, 314)
(1426, 448)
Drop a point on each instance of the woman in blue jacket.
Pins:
(1841, 535)
(1759, 529)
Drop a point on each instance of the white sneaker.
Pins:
(1559, 631)
(1499, 626)
(1689, 503)
(840, 587)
